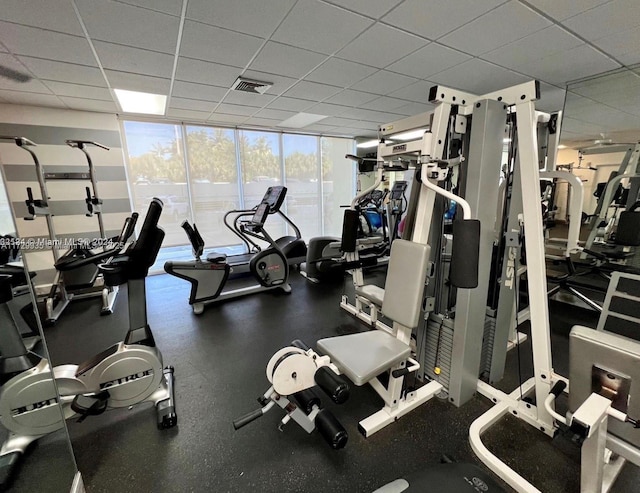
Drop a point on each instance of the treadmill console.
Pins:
(399, 187)
(274, 197)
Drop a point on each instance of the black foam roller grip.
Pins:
(558, 388)
(307, 399)
(300, 345)
(332, 384)
(331, 429)
(350, 230)
(246, 419)
(465, 253)
(401, 372)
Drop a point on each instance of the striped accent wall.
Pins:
(49, 128)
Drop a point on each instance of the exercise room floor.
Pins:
(220, 358)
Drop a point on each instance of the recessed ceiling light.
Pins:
(413, 134)
(301, 120)
(507, 140)
(141, 102)
(367, 144)
(562, 146)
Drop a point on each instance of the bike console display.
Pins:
(197, 243)
(274, 197)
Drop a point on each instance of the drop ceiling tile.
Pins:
(90, 104)
(57, 16)
(129, 25)
(320, 27)
(221, 118)
(312, 91)
(340, 72)
(290, 104)
(507, 23)
(30, 98)
(31, 41)
(372, 8)
(353, 132)
(190, 90)
(248, 99)
(566, 8)
(623, 45)
(478, 77)
(337, 121)
(410, 109)
(215, 74)
(607, 19)
(279, 83)
(64, 72)
(285, 60)
(275, 114)
(256, 17)
(371, 118)
(11, 63)
(79, 91)
(546, 42)
(136, 82)
(214, 44)
(328, 109)
(418, 92)
(429, 18)
(134, 60)
(173, 7)
(623, 83)
(262, 122)
(192, 115)
(349, 97)
(568, 65)
(192, 104)
(237, 109)
(319, 128)
(429, 60)
(390, 44)
(384, 82)
(384, 103)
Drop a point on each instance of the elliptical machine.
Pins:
(127, 373)
(293, 247)
(208, 277)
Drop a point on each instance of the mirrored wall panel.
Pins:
(35, 452)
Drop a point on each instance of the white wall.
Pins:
(49, 128)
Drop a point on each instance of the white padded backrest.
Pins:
(404, 287)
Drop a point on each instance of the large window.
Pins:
(203, 172)
(157, 169)
(213, 179)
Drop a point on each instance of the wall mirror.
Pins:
(29, 403)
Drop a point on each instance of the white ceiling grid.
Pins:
(359, 62)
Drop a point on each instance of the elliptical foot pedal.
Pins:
(90, 405)
(8, 466)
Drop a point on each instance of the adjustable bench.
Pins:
(362, 357)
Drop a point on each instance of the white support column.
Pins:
(536, 266)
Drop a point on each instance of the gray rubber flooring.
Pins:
(220, 360)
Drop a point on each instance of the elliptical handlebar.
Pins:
(196, 240)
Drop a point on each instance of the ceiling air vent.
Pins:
(249, 85)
